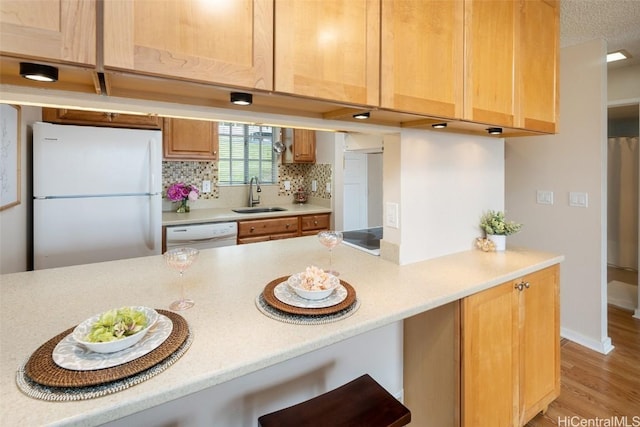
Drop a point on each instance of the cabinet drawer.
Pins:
(261, 227)
(315, 222)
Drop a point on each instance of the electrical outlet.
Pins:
(206, 186)
(287, 185)
(328, 188)
(314, 185)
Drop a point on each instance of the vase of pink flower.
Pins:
(182, 193)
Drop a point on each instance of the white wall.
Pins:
(446, 181)
(623, 83)
(15, 222)
(572, 160)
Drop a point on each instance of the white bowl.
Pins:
(295, 281)
(80, 333)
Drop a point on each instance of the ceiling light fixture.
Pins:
(618, 55)
(362, 116)
(38, 72)
(241, 98)
(494, 131)
(439, 125)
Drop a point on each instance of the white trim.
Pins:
(603, 346)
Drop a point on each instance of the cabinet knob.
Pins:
(315, 222)
(519, 286)
(527, 285)
(287, 225)
(252, 229)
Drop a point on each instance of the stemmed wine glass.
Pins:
(181, 259)
(330, 239)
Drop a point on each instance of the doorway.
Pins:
(362, 190)
(623, 206)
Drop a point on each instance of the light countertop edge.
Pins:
(242, 340)
(199, 216)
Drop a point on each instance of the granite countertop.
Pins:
(231, 337)
(198, 216)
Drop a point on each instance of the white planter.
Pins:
(499, 241)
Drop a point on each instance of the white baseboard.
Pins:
(603, 346)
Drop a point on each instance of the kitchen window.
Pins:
(246, 151)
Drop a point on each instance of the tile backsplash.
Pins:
(300, 176)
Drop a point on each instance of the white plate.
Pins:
(284, 293)
(69, 354)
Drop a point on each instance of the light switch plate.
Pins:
(206, 186)
(578, 199)
(544, 197)
(314, 185)
(391, 217)
(287, 185)
(328, 188)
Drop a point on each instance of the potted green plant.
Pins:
(497, 228)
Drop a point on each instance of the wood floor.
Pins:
(596, 386)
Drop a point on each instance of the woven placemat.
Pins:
(300, 319)
(40, 368)
(68, 394)
(272, 300)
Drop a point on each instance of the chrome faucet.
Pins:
(252, 201)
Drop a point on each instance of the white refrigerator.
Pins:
(97, 194)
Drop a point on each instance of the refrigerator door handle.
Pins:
(155, 167)
(154, 206)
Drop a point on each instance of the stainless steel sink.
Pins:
(257, 210)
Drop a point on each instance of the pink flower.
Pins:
(181, 191)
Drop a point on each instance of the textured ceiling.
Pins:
(616, 21)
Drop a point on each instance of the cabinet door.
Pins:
(60, 30)
(539, 343)
(99, 118)
(422, 57)
(537, 65)
(489, 68)
(227, 42)
(185, 139)
(304, 146)
(490, 357)
(328, 49)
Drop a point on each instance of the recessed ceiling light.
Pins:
(618, 55)
(362, 116)
(38, 72)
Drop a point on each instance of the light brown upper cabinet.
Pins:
(185, 139)
(328, 49)
(537, 65)
(422, 57)
(57, 30)
(489, 61)
(300, 145)
(223, 42)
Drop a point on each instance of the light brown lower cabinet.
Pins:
(262, 230)
(499, 349)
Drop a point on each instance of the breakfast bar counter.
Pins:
(232, 338)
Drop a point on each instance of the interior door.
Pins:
(355, 191)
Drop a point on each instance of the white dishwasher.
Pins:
(202, 236)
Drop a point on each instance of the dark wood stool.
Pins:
(360, 403)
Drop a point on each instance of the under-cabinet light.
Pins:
(241, 98)
(439, 125)
(362, 116)
(494, 131)
(38, 72)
